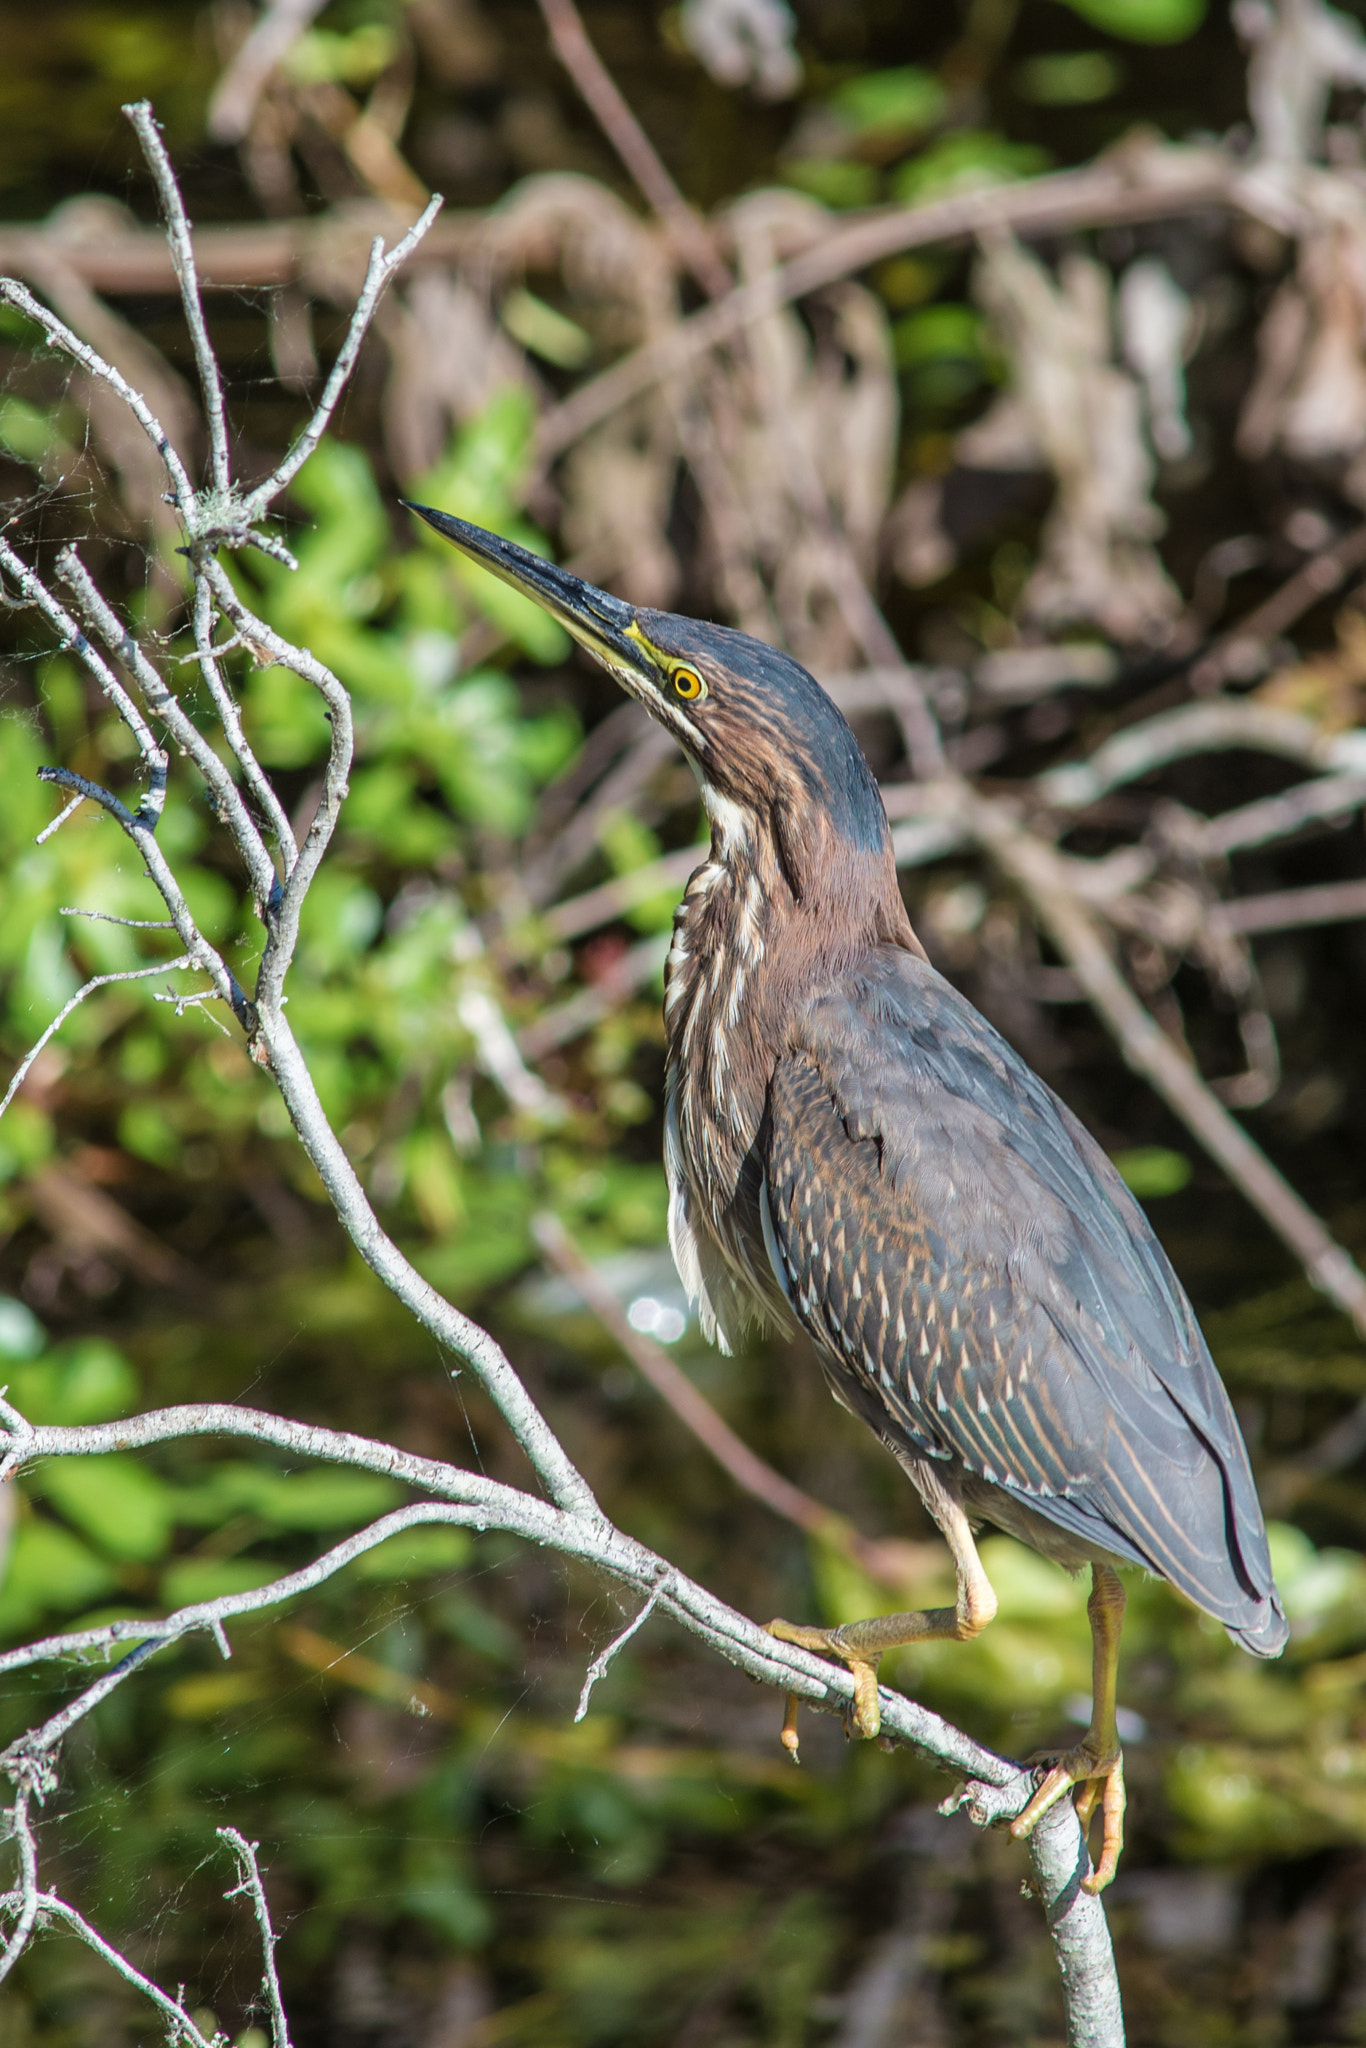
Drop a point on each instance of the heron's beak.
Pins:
(603, 624)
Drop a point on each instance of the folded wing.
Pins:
(983, 1286)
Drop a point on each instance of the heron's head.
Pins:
(774, 756)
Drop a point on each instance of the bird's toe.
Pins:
(864, 1718)
(1100, 1776)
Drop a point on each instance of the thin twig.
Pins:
(1330, 798)
(575, 51)
(59, 335)
(602, 1662)
(1204, 728)
(24, 1757)
(250, 1886)
(379, 270)
(272, 36)
(68, 810)
(22, 1071)
(136, 924)
(182, 2023)
(230, 718)
(181, 245)
(27, 1903)
(1283, 910)
(1316, 579)
(35, 592)
(165, 705)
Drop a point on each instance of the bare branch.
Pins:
(35, 592)
(136, 924)
(1289, 909)
(12, 293)
(162, 702)
(26, 1904)
(182, 256)
(182, 2024)
(25, 1761)
(250, 1886)
(1149, 1051)
(268, 43)
(68, 810)
(1157, 183)
(1239, 651)
(575, 51)
(286, 904)
(380, 269)
(201, 953)
(1196, 729)
(1278, 817)
(475, 1502)
(602, 1662)
(230, 718)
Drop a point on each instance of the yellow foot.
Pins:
(865, 1716)
(1101, 1778)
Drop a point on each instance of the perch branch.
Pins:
(996, 1789)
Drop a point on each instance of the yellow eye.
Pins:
(688, 683)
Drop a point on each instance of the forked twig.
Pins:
(250, 1886)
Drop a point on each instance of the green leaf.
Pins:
(936, 332)
(25, 432)
(1142, 21)
(415, 1553)
(629, 845)
(49, 1570)
(834, 183)
(1151, 1170)
(903, 101)
(84, 1380)
(480, 480)
(26, 1137)
(194, 1579)
(121, 1506)
(969, 160)
(146, 1132)
(540, 329)
(1068, 78)
(323, 57)
(296, 1500)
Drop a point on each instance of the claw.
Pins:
(1101, 1778)
(789, 1737)
(865, 1715)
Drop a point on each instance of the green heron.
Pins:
(851, 1145)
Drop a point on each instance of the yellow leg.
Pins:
(861, 1644)
(1096, 1764)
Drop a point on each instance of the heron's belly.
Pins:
(1006, 1511)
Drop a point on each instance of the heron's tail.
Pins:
(1268, 1635)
